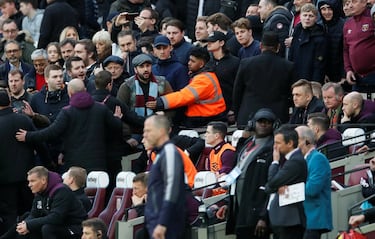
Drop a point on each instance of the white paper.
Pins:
(293, 193)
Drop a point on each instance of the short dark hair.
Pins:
(222, 20)
(68, 62)
(97, 226)
(51, 67)
(141, 177)
(200, 53)
(289, 134)
(34, 3)
(320, 119)
(67, 41)
(79, 175)
(16, 71)
(89, 47)
(8, 21)
(126, 33)
(176, 23)
(102, 79)
(219, 127)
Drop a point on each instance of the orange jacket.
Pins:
(202, 96)
(189, 168)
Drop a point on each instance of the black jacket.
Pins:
(308, 51)
(83, 127)
(263, 81)
(57, 205)
(299, 115)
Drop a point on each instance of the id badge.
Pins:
(233, 175)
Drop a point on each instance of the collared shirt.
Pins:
(287, 156)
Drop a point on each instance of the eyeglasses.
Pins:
(145, 17)
(10, 31)
(12, 51)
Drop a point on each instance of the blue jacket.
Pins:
(317, 202)
(165, 192)
(173, 71)
(182, 51)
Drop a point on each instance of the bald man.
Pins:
(356, 110)
(83, 126)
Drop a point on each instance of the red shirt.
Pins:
(39, 81)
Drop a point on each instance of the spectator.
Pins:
(252, 10)
(201, 32)
(317, 90)
(247, 209)
(139, 197)
(346, 8)
(115, 65)
(54, 54)
(317, 204)
(356, 110)
(181, 48)
(324, 137)
(85, 49)
(128, 46)
(94, 228)
(75, 68)
(146, 22)
(143, 87)
(368, 215)
(129, 6)
(55, 20)
(202, 96)
(250, 46)
(333, 94)
(13, 53)
(9, 11)
(275, 18)
(167, 64)
(88, 124)
(103, 45)
(11, 33)
(330, 13)
(69, 32)
(67, 48)
(16, 160)
(368, 186)
(304, 102)
(225, 66)
(221, 159)
(220, 22)
(308, 49)
(287, 221)
(35, 79)
(359, 47)
(50, 196)
(32, 18)
(75, 179)
(270, 89)
(162, 221)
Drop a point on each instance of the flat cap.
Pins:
(141, 59)
(114, 59)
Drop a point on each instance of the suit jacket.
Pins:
(263, 81)
(294, 170)
(317, 203)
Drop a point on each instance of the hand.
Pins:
(118, 112)
(60, 159)
(22, 228)
(121, 19)
(345, 118)
(276, 153)
(151, 104)
(260, 228)
(363, 149)
(282, 190)
(350, 77)
(219, 175)
(132, 142)
(159, 232)
(27, 109)
(141, 23)
(354, 221)
(288, 41)
(221, 212)
(21, 135)
(98, 69)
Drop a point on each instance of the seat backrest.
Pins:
(189, 132)
(119, 201)
(355, 177)
(96, 184)
(204, 178)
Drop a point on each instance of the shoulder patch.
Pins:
(365, 27)
(279, 25)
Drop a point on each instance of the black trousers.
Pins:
(295, 232)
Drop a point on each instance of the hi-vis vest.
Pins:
(202, 96)
(215, 159)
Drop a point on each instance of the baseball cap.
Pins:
(161, 41)
(140, 59)
(216, 36)
(264, 113)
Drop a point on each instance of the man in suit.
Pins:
(287, 221)
(317, 202)
(263, 81)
